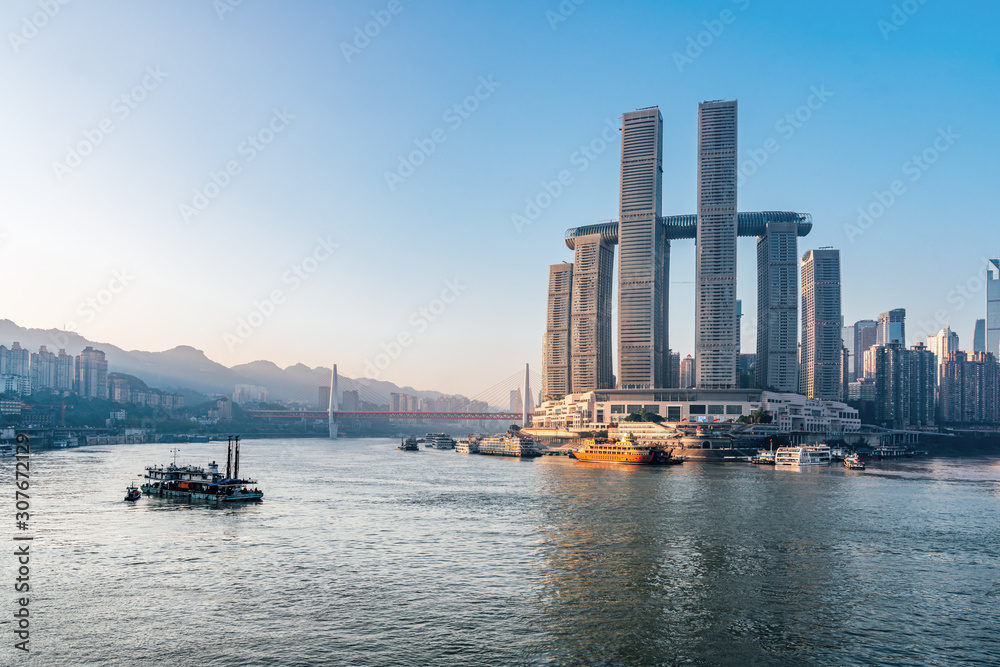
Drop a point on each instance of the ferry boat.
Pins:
(409, 445)
(440, 440)
(132, 493)
(509, 445)
(763, 458)
(623, 451)
(805, 455)
(854, 462)
(467, 446)
(194, 483)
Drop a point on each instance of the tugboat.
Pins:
(132, 493)
(853, 462)
(193, 483)
(409, 445)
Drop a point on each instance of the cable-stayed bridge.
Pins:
(491, 404)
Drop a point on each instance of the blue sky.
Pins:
(107, 247)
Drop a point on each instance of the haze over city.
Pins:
(172, 169)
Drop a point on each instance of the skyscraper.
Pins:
(993, 307)
(556, 351)
(865, 335)
(979, 339)
(687, 372)
(819, 368)
(892, 327)
(644, 261)
(942, 344)
(716, 351)
(777, 364)
(904, 386)
(43, 368)
(970, 389)
(92, 374)
(590, 335)
(674, 374)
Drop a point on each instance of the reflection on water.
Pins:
(361, 554)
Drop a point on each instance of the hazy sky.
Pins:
(170, 167)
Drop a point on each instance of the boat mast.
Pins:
(175, 450)
(229, 457)
(236, 459)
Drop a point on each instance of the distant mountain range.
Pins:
(185, 369)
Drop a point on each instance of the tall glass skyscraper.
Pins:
(590, 335)
(979, 337)
(644, 259)
(993, 307)
(777, 365)
(865, 336)
(892, 327)
(556, 348)
(716, 346)
(820, 368)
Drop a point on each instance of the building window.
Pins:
(696, 409)
(716, 409)
(617, 409)
(632, 409)
(673, 413)
(734, 409)
(600, 416)
(655, 409)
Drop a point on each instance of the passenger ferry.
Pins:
(467, 446)
(409, 445)
(805, 455)
(194, 483)
(440, 440)
(763, 457)
(509, 445)
(623, 451)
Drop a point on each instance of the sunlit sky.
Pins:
(115, 113)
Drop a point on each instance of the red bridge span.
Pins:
(340, 414)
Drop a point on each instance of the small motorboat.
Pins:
(854, 462)
(132, 493)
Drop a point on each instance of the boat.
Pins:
(467, 446)
(510, 444)
(409, 445)
(440, 440)
(853, 462)
(623, 451)
(803, 455)
(194, 483)
(763, 458)
(132, 492)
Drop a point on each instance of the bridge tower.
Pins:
(334, 404)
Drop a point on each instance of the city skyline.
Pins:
(313, 211)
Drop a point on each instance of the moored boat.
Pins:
(804, 455)
(467, 446)
(440, 440)
(194, 483)
(623, 451)
(511, 444)
(409, 445)
(763, 458)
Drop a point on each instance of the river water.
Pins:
(364, 555)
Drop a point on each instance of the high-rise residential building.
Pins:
(904, 386)
(323, 397)
(556, 350)
(687, 372)
(92, 374)
(644, 255)
(993, 307)
(15, 361)
(891, 327)
(865, 335)
(979, 338)
(845, 373)
(351, 400)
(590, 339)
(942, 344)
(777, 366)
(244, 394)
(43, 369)
(970, 389)
(716, 351)
(64, 372)
(820, 361)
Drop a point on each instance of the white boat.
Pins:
(854, 462)
(440, 440)
(509, 445)
(467, 446)
(804, 455)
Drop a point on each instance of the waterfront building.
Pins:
(905, 381)
(970, 389)
(92, 374)
(891, 327)
(591, 337)
(942, 344)
(687, 372)
(820, 363)
(119, 390)
(979, 338)
(993, 307)
(865, 336)
(716, 347)
(777, 365)
(556, 379)
(643, 260)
